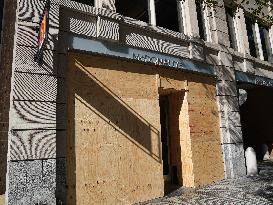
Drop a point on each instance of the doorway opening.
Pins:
(256, 118)
(170, 107)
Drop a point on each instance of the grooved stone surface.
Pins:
(37, 115)
(142, 39)
(24, 61)
(28, 36)
(37, 144)
(108, 29)
(38, 87)
(234, 160)
(31, 10)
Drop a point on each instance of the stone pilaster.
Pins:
(218, 25)
(190, 22)
(231, 134)
(230, 126)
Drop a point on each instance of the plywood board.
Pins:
(114, 141)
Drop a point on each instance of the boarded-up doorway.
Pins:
(170, 108)
(114, 150)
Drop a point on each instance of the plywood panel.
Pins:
(205, 136)
(114, 136)
(208, 166)
(114, 154)
(185, 143)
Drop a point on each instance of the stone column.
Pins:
(231, 134)
(258, 42)
(219, 29)
(242, 38)
(37, 141)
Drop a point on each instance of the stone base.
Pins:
(36, 181)
(234, 160)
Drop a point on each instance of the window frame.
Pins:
(202, 12)
(264, 49)
(232, 28)
(256, 26)
(251, 25)
(180, 21)
(151, 6)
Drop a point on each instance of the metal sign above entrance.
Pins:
(138, 54)
(253, 79)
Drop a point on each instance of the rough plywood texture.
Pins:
(205, 133)
(185, 141)
(115, 132)
(114, 127)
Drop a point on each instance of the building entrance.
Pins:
(257, 117)
(170, 107)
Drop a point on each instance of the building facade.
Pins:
(129, 100)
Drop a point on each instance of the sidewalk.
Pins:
(245, 190)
